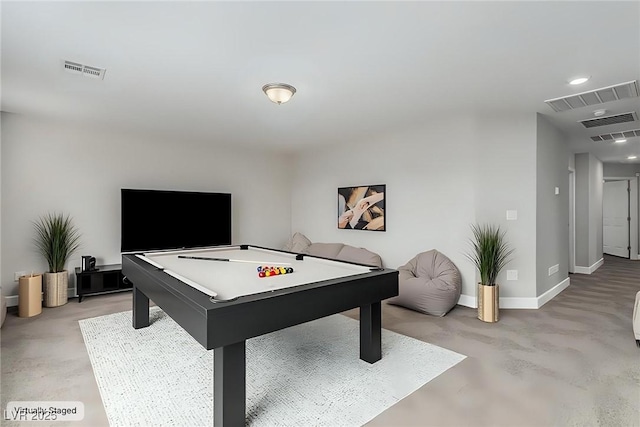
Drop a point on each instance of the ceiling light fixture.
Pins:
(579, 80)
(632, 157)
(621, 140)
(279, 92)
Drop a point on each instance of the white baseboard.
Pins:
(551, 293)
(12, 300)
(468, 301)
(589, 270)
(520, 302)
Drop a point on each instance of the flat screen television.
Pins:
(159, 219)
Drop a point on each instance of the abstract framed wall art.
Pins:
(362, 208)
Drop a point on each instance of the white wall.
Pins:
(572, 161)
(429, 198)
(589, 176)
(440, 179)
(582, 209)
(48, 167)
(552, 247)
(621, 170)
(595, 205)
(505, 179)
(2, 288)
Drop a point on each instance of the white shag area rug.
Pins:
(306, 375)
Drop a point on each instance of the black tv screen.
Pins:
(158, 219)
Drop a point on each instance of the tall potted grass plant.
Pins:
(490, 253)
(56, 240)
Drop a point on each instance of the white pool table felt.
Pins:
(230, 279)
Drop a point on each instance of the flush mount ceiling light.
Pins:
(632, 157)
(621, 140)
(279, 92)
(579, 80)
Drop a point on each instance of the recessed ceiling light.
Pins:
(632, 157)
(621, 140)
(579, 80)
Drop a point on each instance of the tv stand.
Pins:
(104, 279)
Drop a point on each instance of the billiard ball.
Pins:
(261, 274)
(289, 270)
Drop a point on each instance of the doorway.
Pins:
(616, 218)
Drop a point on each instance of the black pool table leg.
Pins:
(229, 385)
(371, 332)
(140, 309)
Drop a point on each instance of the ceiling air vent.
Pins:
(595, 97)
(609, 120)
(85, 70)
(616, 135)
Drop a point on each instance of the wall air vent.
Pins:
(85, 70)
(616, 135)
(609, 120)
(595, 97)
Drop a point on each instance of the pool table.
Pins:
(215, 294)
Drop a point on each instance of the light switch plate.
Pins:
(512, 274)
(512, 215)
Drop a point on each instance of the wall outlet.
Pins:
(557, 191)
(512, 215)
(512, 274)
(554, 269)
(18, 274)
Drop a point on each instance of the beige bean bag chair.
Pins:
(430, 283)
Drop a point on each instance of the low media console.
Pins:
(104, 279)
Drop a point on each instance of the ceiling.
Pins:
(193, 71)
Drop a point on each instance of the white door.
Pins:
(615, 214)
